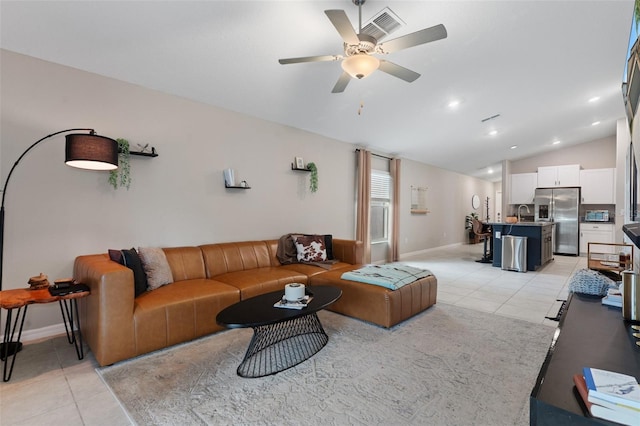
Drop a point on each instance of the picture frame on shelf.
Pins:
(299, 163)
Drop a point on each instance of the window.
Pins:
(380, 204)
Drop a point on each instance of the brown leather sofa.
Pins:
(117, 326)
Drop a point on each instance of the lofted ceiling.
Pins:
(535, 65)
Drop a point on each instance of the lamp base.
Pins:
(13, 348)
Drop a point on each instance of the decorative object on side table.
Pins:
(39, 281)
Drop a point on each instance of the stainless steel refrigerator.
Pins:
(560, 206)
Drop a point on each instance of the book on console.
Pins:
(617, 388)
(613, 298)
(626, 417)
(608, 300)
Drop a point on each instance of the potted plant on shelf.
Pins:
(121, 176)
(468, 225)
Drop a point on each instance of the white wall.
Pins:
(597, 154)
(55, 213)
(449, 201)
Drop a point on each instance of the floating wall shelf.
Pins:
(144, 154)
(153, 153)
(236, 187)
(293, 167)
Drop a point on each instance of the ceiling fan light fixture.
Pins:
(361, 65)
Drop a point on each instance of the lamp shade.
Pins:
(90, 151)
(360, 65)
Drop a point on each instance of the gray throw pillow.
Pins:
(156, 266)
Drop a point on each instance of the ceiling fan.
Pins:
(358, 60)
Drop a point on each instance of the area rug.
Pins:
(446, 366)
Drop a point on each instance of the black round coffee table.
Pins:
(282, 338)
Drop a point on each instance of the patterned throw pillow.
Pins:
(310, 248)
(156, 267)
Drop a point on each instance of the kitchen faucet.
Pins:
(526, 207)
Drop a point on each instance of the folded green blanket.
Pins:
(390, 275)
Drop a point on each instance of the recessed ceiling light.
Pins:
(556, 142)
(595, 123)
(594, 99)
(513, 146)
(493, 133)
(453, 104)
(490, 171)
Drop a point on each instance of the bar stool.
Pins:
(478, 229)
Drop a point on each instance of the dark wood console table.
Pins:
(589, 335)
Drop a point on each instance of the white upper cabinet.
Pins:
(598, 186)
(523, 188)
(551, 176)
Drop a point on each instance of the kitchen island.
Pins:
(539, 241)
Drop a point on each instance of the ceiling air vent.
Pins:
(382, 24)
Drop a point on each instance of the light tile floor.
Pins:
(50, 386)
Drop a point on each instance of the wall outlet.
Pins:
(498, 234)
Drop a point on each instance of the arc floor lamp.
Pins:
(84, 151)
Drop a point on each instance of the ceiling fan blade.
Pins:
(340, 20)
(398, 71)
(342, 82)
(414, 39)
(310, 59)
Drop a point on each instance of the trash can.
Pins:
(514, 253)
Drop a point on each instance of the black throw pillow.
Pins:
(132, 261)
(328, 245)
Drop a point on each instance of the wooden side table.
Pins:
(20, 299)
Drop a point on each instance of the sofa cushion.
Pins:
(180, 312)
(258, 281)
(156, 266)
(310, 270)
(186, 263)
(310, 248)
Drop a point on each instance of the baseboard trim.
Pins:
(404, 256)
(42, 333)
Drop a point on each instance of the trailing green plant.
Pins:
(122, 175)
(313, 179)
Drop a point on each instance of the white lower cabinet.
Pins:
(595, 233)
